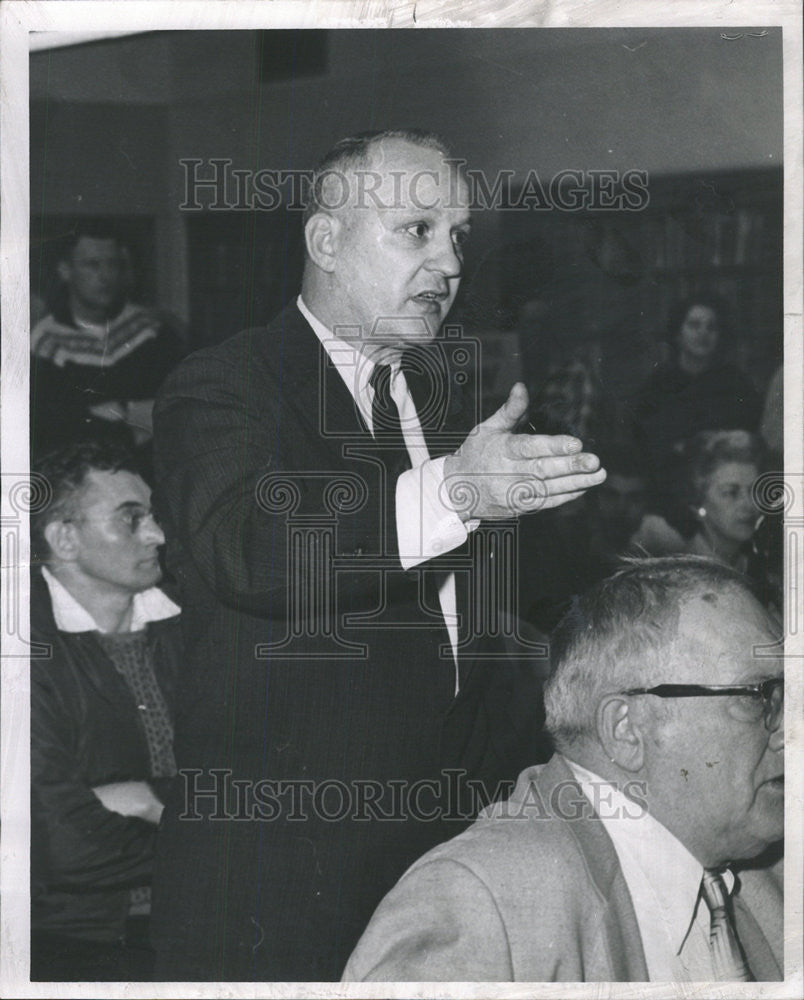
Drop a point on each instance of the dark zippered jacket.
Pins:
(85, 732)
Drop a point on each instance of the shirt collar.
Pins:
(643, 842)
(147, 606)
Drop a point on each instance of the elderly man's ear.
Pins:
(621, 732)
(321, 234)
(61, 537)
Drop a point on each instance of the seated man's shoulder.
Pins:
(530, 828)
(500, 901)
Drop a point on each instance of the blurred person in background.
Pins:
(723, 520)
(97, 359)
(724, 469)
(697, 389)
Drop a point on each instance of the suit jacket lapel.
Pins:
(310, 382)
(624, 940)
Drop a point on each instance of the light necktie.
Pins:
(728, 961)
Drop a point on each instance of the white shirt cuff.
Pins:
(426, 522)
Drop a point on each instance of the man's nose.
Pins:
(444, 257)
(150, 532)
(109, 273)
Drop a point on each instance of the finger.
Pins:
(533, 501)
(512, 410)
(540, 445)
(528, 492)
(558, 501)
(555, 466)
(573, 484)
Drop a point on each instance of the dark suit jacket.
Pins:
(533, 892)
(312, 657)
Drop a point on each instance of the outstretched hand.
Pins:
(497, 474)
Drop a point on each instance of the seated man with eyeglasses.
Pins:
(106, 648)
(613, 861)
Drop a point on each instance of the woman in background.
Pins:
(723, 468)
(698, 389)
(721, 489)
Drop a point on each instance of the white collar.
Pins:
(642, 843)
(147, 606)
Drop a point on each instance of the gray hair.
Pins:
(620, 634)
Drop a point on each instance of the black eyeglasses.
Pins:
(764, 700)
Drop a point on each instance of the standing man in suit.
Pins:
(319, 492)
(611, 861)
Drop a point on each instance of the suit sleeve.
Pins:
(78, 843)
(439, 924)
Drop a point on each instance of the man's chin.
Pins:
(150, 577)
(407, 331)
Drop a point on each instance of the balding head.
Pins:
(384, 239)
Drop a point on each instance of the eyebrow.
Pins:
(132, 505)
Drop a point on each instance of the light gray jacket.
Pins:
(528, 894)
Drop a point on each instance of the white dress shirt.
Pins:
(149, 605)
(426, 523)
(664, 881)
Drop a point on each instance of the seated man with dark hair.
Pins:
(101, 719)
(612, 861)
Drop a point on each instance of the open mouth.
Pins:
(434, 297)
(776, 783)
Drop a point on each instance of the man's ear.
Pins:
(321, 236)
(63, 271)
(61, 537)
(620, 733)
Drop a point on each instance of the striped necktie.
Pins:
(728, 961)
